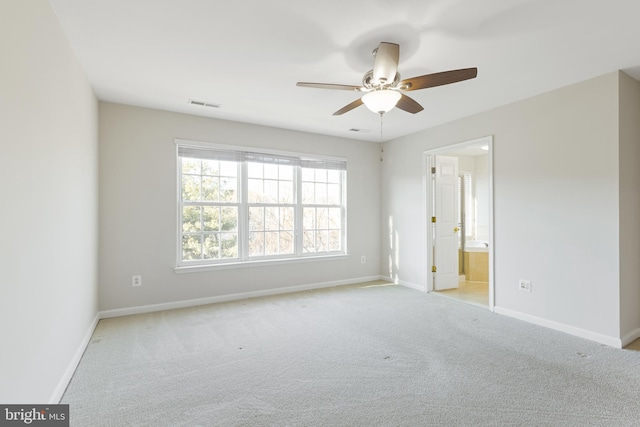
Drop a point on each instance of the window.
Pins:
(210, 208)
(321, 210)
(271, 209)
(239, 206)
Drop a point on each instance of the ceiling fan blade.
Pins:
(385, 64)
(329, 86)
(358, 102)
(438, 79)
(409, 105)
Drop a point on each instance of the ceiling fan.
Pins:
(383, 87)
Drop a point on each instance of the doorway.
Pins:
(459, 211)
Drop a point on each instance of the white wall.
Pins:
(556, 218)
(629, 207)
(48, 213)
(465, 163)
(138, 208)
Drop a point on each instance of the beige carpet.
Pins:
(365, 355)
(635, 346)
(470, 292)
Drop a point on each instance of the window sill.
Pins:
(250, 264)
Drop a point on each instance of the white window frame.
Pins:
(244, 260)
(245, 205)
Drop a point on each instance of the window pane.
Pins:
(229, 219)
(191, 247)
(286, 173)
(270, 171)
(211, 246)
(270, 191)
(321, 175)
(256, 244)
(308, 193)
(286, 192)
(271, 243)
(228, 189)
(272, 220)
(321, 194)
(334, 240)
(322, 218)
(210, 188)
(322, 241)
(190, 187)
(255, 170)
(211, 218)
(334, 218)
(286, 242)
(229, 169)
(309, 218)
(308, 174)
(287, 219)
(191, 166)
(256, 218)
(228, 245)
(255, 191)
(333, 176)
(210, 167)
(333, 194)
(309, 242)
(190, 219)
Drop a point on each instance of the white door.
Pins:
(446, 223)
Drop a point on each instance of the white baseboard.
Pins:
(412, 286)
(403, 283)
(557, 326)
(66, 378)
(630, 337)
(231, 297)
(71, 369)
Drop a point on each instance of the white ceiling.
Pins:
(248, 55)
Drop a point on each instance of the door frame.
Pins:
(427, 208)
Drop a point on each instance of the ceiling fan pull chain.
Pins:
(381, 113)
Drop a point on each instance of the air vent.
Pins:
(360, 130)
(203, 103)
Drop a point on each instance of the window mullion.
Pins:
(243, 213)
(297, 222)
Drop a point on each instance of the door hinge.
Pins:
(434, 269)
(433, 169)
(433, 219)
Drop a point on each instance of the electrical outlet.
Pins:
(524, 285)
(136, 280)
(363, 259)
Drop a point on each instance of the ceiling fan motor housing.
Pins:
(369, 83)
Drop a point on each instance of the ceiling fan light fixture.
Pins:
(381, 101)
